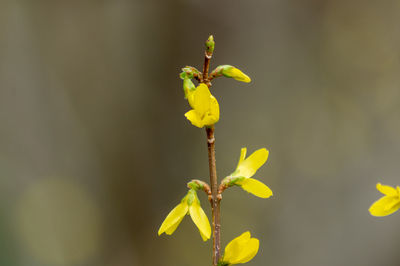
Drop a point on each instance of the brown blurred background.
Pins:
(95, 150)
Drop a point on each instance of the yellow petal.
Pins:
(209, 120)
(214, 108)
(190, 97)
(202, 99)
(241, 249)
(256, 188)
(385, 206)
(387, 190)
(200, 220)
(212, 115)
(249, 251)
(249, 166)
(173, 227)
(233, 249)
(173, 219)
(194, 118)
(242, 156)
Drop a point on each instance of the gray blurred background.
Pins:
(95, 150)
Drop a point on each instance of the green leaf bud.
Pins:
(195, 185)
(191, 196)
(189, 72)
(210, 44)
(188, 86)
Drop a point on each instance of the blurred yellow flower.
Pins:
(233, 72)
(388, 204)
(205, 110)
(240, 250)
(190, 204)
(246, 168)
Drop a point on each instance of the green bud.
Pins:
(219, 71)
(183, 75)
(189, 72)
(194, 185)
(188, 86)
(210, 44)
(191, 196)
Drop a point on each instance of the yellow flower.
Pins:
(388, 204)
(245, 169)
(205, 110)
(190, 204)
(233, 72)
(240, 250)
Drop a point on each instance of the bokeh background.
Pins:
(95, 150)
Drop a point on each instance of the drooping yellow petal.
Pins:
(256, 188)
(174, 218)
(214, 108)
(242, 156)
(212, 115)
(190, 97)
(250, 165)
(200, 220)
(387, 190)
(194, 118)
(202, 99)
(173, 227)
(385, 206)
(241, 249)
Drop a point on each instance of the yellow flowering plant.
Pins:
(205, 114)
(388, 204)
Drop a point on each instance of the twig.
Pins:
(215, 199)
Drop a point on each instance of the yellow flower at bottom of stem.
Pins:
(205, 110)
(240, 250)
(190, 205)
(388, 204)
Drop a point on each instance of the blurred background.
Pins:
(95, 150)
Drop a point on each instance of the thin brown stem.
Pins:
(215, 199)
(203, 185)
(206, 67)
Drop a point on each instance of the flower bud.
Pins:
(189, 72)
(210, 44)
(230, 72)
(188, 86)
